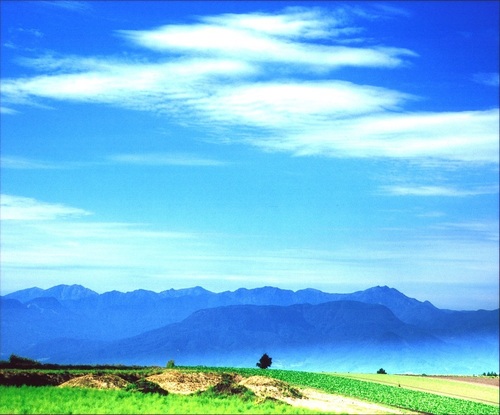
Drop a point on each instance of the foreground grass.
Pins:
(53, 400)
(476, 392)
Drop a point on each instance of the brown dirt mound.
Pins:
(265, 387)
(96, 382)
(185, 383)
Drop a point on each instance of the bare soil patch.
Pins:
(482, 380)
(336, 404)
(96, 382)
(265, 387)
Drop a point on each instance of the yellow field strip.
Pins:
(471, 391)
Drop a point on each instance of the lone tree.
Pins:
(265, 361)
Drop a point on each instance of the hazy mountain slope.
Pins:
(40, 319)
(203, 325)
(247, 329)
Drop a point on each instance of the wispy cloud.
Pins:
(437, 191)
(166, 159)
(71, 5)
(22, 163)
(487, 78)
(139, 159)
(486, 229)
(17, 208)
(9, 111)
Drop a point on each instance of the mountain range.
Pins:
(306, 329)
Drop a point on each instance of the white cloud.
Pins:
(469, 136)
(140, 86)
(217, 72)
(260, 38)
(290, 105)
(17, 208)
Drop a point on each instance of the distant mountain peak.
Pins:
(193, 291)
(61, 292)
(64, 292)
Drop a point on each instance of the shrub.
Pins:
(227, 387)
(170, 364)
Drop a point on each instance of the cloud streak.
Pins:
(166, 159)
(437, 191)
(17, 208)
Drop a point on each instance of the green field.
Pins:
(397, 391)
(52, 400)
(453, 388)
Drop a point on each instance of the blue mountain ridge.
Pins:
(71, 324)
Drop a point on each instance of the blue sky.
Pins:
(332, 145)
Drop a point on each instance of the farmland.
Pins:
(448, 387)
(236, 390)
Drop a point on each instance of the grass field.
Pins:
(463, 390)
(52, 400)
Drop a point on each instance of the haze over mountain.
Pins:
(306, 329)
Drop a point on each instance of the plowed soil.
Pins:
(482, 380)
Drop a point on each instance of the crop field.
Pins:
(390, 395)
(463, 390)
(399, 392)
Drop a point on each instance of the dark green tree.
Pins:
(265, 361)
(381, 371)
(19, 362)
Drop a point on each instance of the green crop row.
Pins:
(52, 400)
